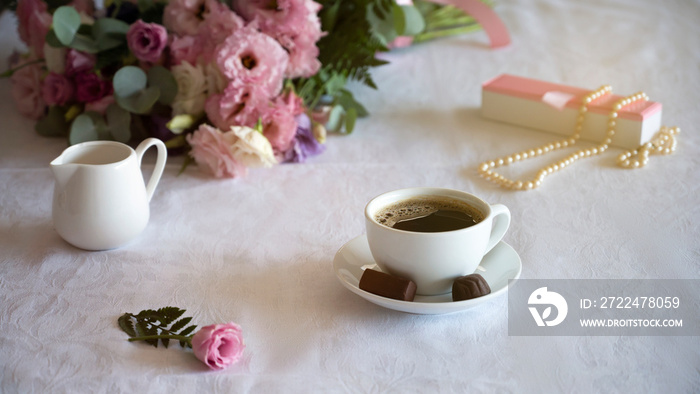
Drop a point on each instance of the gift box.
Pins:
(554, 108)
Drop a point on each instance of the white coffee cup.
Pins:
(433, 260)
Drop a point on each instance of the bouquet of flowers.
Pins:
(236, 84)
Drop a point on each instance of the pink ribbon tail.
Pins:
(486, 17)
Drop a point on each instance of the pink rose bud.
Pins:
(57, 89)
(218, 345)
(147, 40)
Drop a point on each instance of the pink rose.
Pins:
(147, 40)
(26, 91)
(218, 345)
(34, 22)
(238, 105)
(211, 149)
(90, 87)
(253, 58)
(57, 89)
(78, 62)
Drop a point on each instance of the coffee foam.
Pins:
(422, 206)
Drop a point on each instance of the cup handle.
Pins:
(160, 162)
(500, 216)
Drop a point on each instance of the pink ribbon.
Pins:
(486, 17)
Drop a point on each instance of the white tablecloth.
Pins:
(258, 250)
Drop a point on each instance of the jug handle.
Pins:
(160, 162)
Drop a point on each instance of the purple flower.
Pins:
(305, 145)
(57, 89)
(90, 87)
(147, 40)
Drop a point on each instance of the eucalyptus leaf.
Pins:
(160, 77)
(141, 102)
(109, 33)
(128, 81)
(414, 23)
(66, 22)
(83, 129)
(381, 21)
(118, 123)
(84, 43)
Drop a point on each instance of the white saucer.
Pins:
(498, 266)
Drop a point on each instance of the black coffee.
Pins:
(429, 214)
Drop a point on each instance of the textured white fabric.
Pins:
(258, 250)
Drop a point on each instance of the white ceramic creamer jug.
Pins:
(100, 200)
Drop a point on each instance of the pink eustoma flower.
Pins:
(253, 58)
(34, 22)
(238, 105)
(26, 91)
(211, 149)
(147, 40)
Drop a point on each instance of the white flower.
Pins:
(55, 58)
(216, 81)
(252, 148)
(192, 89)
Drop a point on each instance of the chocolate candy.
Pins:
(386, 285)
(469, 286)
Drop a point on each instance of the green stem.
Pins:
(11, 71)
(444, 33)
(167, 336)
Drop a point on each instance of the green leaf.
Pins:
(169, 314)
(127, 324)
(52, 40)
(160, 77)
(188, 330)
(180, 324)
(128, 81)
(109, 33)
(66, 22)
(350, 118)
(118, 123)
(83, 129)
(381, 20)
(413, 21)
(53, 124)
(141, 102)
(85, 44)
(399, 19)
(347, 100)
(335, 118)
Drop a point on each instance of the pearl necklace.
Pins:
(663, 143)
